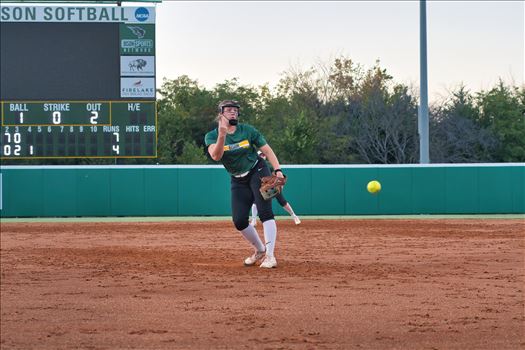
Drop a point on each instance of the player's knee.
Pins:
(266, 215)
(241, 224)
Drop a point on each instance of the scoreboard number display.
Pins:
(77, 82)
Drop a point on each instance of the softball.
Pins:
(373, 186)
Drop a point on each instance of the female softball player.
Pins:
(235, 145)
(280, 198)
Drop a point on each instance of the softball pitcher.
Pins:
(235, 145)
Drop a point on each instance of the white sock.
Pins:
(250, 233)
(254, 211)
(270, 235)
(289, 209)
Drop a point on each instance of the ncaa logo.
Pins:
(142, 14)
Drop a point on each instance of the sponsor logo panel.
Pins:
(137, 39)
(137, 65)
(137, 87)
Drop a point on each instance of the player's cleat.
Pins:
(269, 262)
(251, 260)
(253, 222)
(296, 220)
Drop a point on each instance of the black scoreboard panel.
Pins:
(79, 87)
(78, 129)
(66, 61)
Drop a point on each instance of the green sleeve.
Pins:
(257, 138)
(210, 137)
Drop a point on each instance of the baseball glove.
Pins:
(271, 186)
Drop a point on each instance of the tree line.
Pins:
(340, 113)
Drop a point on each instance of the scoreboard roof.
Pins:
(78, 1)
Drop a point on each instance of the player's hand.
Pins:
(223, 124)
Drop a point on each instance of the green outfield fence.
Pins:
(69, 191)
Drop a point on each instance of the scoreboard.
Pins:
(77, 82)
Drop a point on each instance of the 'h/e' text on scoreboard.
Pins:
(77, 82)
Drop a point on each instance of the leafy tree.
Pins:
(298, 141)
(185, 113)
(316, 98)
(455, 133)
(192, 154)
(501, 110)
(383, 120)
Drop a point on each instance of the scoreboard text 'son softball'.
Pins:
(77, 82)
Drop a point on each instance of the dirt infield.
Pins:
(345, 284)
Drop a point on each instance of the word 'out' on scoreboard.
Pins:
(77, 82)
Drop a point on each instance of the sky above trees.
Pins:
(474, 43)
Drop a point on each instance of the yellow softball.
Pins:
(373, 186)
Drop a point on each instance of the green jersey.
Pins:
(240, 153)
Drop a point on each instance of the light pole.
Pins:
(423, 103)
